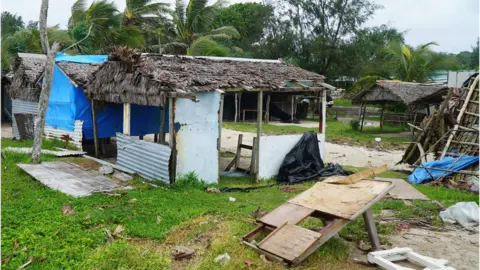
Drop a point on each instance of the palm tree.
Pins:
(193, 28)
(141, 12)
(99, 27)
(417, 64)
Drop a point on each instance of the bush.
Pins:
(355, 124)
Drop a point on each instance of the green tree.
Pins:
(250, 19)
(11, 23)
(474, 57)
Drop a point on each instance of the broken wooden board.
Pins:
(287, 212)
(351, 179)
(403, 190)
(70, 178)
(344, 201)
(289, 241)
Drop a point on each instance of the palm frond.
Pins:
(228, 30)
(78, 12)
(205, 46)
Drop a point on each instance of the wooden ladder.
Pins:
(235, 163)
(466, 117)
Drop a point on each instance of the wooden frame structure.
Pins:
(280, 238)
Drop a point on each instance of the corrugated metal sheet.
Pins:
(149, 160)
(21, 106)
(197, 138)
(74, 137)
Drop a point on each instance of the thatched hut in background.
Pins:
(418, 97)
(190, 92)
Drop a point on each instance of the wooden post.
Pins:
(371, 229)
(171, 140)
(239, 151)
(126, 119)
(267, 113)
(240, 106)
(163, 111)
(95, 128)
(252, 159)
(220, 122)
(236, 108)
(322, 112)
(363, 116)
(259, 132)
(381, 117)
(292, 107)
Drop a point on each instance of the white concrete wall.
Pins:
(198, 136)
(274, 148)
(456, 78)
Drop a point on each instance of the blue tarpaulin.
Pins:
(68, 103)
(420, 175)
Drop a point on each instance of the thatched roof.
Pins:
(146, 79)
(401, 92)
(27, 71)
(78, 72)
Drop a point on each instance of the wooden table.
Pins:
(335, 204)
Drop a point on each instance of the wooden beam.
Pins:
(293, 98)
(371, 229)
(95, 128)
(363, 116)
(126, 118)
(259, 133)
(240, 106)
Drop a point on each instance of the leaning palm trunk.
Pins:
(46, 85)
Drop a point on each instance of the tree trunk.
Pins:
(43, 103)
(47, 83)
(43, 26)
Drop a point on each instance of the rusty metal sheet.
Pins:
(74, 137)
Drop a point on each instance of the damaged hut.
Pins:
(69, 113)
(418, 97)
(189, 92)
(25, 86)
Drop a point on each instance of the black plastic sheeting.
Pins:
(304, 163)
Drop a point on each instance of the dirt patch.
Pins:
(458, 246)
(197, 234)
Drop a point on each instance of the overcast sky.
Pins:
(453, 24)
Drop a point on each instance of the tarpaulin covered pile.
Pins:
(421, 175)
(304, 163)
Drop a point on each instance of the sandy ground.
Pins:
(459, 247)
(7, 131)
(336, 153)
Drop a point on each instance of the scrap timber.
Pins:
(280, 237)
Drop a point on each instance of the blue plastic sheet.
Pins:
(420, 175)
(68, 103)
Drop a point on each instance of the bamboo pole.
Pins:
(95, 128)
(459, 117)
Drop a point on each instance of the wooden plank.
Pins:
(163, 111)
(344, 201)
(252, 157)
(249, 147)
(69, 178)
(351, 179)
(290, 242)
(287, 212)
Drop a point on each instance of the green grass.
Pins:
(343, 102)
(32, 217)
(336, 132)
